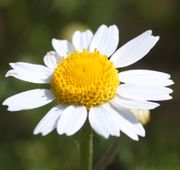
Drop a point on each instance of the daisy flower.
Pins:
(86, 84)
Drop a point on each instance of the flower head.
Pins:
(85, 82)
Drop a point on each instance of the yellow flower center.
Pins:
(85, 78)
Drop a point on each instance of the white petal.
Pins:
(144, 92)
(103, 122)
(97, 124)
(105, 39)
(128, 124)
(129, 120)
(145, 77)
(134, 50)
(29, 99)
(33, 73)
(62, 47)
(49, 121)
(81, 40)
(71, 120)
(133, 104)
(51, 59)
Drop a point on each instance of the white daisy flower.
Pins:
(85, 83)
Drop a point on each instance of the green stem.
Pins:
(86, 147)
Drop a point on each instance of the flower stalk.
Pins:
(86, 148)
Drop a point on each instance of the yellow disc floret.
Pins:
(85, 78)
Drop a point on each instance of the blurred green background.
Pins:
(26, 30)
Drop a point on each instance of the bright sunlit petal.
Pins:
(33, 73)
(145, 77)
(62, 47)
(49, 121)
(134, 50)
(51, 59)
(135, 92)
(81, 40)
(103, 122)
(29, 99)
(71, 120)
(105, 39)
(133, 104)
